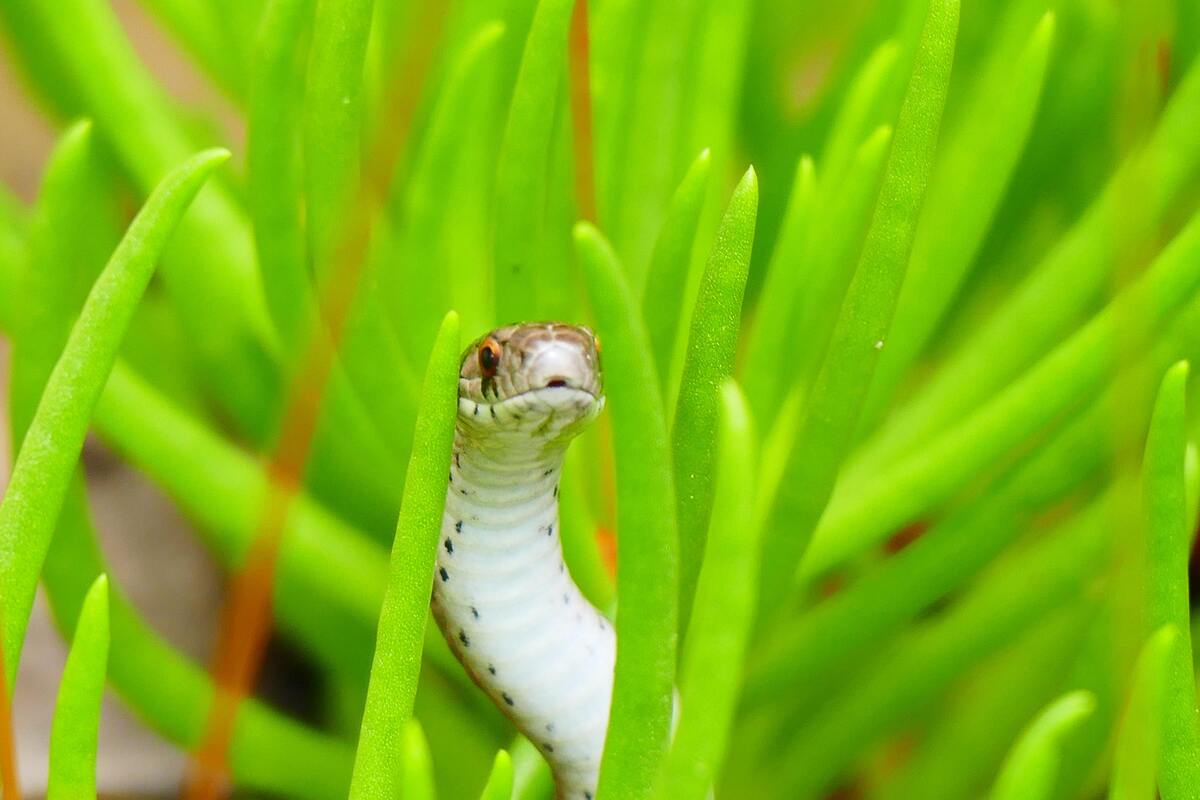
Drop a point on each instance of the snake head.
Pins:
(539, 378)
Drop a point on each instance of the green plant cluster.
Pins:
(897, 451)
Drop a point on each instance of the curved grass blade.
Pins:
(1139, 739)
(51, 447)
(711, 669)
(964, 192)
(662, 301)
(833, 407)
(416, 762)
(647, 560)
(521, 180)
(865, 509)
(788, 269)
(712, 343)
(13, 224)
(75, 729)
(500, 782)
(1169, 536)
(1032, 766)
(401, 635)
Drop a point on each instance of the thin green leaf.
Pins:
(1169, 547)
(51, 447)
(75, 729)
(521, 182)
(869, 102)
(416, 762)
(647, 561)
(500, 782)
(770, 333)
(964, 192)
(711, 670)
(12, 253)
(196, 25)
(333, 116)
(1032, 765)
(274, 173)
(866, 508)
(399, 642)
(662, 302)
(840, 388)
(1139, 738)
(712, 343)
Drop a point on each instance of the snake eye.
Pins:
(489, 357)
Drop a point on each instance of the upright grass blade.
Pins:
(196, 26)
(415, 763)
(75, 730)
(13, 223)
(44, 465)
(725, 601)
(869, 103)
(647, 560)
(769, 339)
(398, 644)
(833, 408)
(1032, 765)
(521, 182)
(333, 115)
(274, 172)
(964, 193)
(1169, 536)
(716, 322)
(500, 782)
(888, 499)
(662, 301)
(1139, 739)
(833, 249)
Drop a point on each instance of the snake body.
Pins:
(502, 594)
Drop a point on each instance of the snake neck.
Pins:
(507, 606)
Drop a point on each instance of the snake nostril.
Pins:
(556, 383)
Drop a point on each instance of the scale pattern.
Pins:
(502, 595)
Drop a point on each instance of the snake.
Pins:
(503, 596)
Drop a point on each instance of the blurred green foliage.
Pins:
(939, 547)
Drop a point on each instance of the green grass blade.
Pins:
(769, 339)
(870, 102)
(13, 224)
(1169, 536)
(964, 192)
(833, 408)
(1032, 765)
(75, 729)
(1139, 739)
(712, 342)
(500, 782)
(833, 249)
(274, 173)
(416, 762)
(712, 661)
(1073, 273)
(521, 182)
(52, 445)
(869, 507)
(647, 560)
(401, 637)
(662, 302)
(197, 27)
(333, 116)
